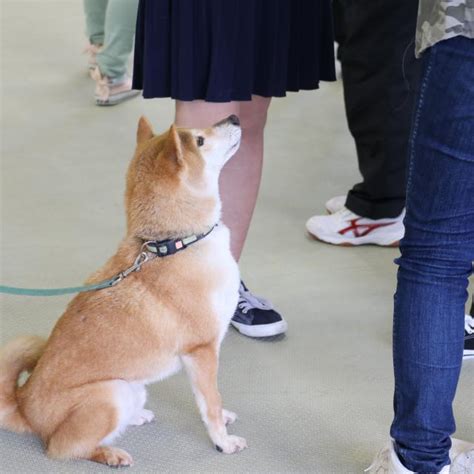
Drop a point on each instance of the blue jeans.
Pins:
(437, 255)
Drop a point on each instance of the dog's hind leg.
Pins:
(201, 366)
(89, 427)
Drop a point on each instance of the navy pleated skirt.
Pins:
(223, 50)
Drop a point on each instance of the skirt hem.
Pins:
(230, 98)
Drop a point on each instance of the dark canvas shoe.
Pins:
(255, 317)
(469, 333)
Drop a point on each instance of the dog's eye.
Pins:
(200, 141)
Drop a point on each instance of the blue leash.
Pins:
(139, 261)
(13, 290)
(158, 248)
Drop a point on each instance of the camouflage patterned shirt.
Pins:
(442, 19)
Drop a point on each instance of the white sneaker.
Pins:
(335, 204)
(346, 228)
(387, 462)
(469, 334)
(461, 455)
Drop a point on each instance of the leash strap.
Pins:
(158, 248)
(12, 290)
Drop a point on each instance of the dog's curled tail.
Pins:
(19, 355)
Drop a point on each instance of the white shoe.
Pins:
(469, 335)
(387, 462)
(335, 204)
(461, 455)
(346, 228)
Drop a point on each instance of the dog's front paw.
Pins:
(231, 444)
(229, 416)
(113, 457)
(142, 417)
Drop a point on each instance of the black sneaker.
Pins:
(255, 317)
(469, 333)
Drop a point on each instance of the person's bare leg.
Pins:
(239, 184)
(240, 178)
(201, 114)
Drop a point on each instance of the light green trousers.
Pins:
(112, 24)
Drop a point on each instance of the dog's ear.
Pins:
(144, 130)
(174, 147)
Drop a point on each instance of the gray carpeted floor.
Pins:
(316, 401)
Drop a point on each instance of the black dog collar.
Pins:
(163, 248)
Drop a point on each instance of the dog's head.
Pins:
(172, 181)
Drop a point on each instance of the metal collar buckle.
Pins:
(142, 258)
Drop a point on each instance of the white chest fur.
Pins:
(215, 258)
(225, 295)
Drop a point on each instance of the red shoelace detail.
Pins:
(368, 228)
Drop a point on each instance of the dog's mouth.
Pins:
(237, 137)
(232, 149)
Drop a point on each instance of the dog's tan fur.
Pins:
(87, 381)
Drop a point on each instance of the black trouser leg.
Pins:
(380, 77)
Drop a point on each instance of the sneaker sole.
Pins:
(356, 242)
(117, 99)
(468, 354)
(262, 330)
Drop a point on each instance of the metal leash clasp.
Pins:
(142, 258)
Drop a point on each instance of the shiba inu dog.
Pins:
(88, 379)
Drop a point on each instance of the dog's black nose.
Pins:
(234, 120)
